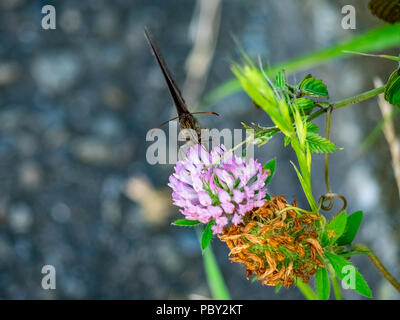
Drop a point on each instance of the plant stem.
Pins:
(216, 283)
(377, 263)
(340, 104)
(358, 98)
(384, 56)
(335, 284)
(350, 101)
(305, 289)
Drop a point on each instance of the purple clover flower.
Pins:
(223, 192)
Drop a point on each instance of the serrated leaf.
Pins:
(207, 235)
(304, 104)
(392, 89)
(322, 284)
(338, 263)
(313, 87)
(270, 165)
(185, 222)
(318, 144)
(312, 127)
(352, 226)
(336, 226)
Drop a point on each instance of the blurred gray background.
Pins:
(76, 103)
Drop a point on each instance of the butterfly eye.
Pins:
(386, 10)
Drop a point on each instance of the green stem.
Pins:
(358, 98)
(350, 101)
(377, 263)
(338, 104)
(384, 56)
(305, 289)
(216, 283)
(304, 174)
(327, 182)
(335, 284)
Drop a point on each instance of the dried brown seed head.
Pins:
(276, 243)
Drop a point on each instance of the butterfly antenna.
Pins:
(164, 123)
(206, 112)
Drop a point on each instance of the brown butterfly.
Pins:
(386, 10)
(186, 118)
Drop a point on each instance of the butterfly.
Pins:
(186, 118)
(386, 10)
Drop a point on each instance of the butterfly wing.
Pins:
(173, 89)
(186, 119)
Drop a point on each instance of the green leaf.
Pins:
(325, 239)
(185, 222)
(336, 226)
(286, 141)
(313, 87)
(207, 235)
(259, 89)
(301, 129)
(352, 226)
(263, 138)
(338, 264)
(318, 144)
(306, 187)
(280, 82)
(392, 89)
(280, 85)
(278, 288)
(322, 284)
(304, 104)
(312, 127)
(305, 289)
(261, 134)
(382, 37)
(271, 166)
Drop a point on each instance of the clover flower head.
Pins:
(217, 186)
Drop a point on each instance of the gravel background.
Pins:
(76, 104)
